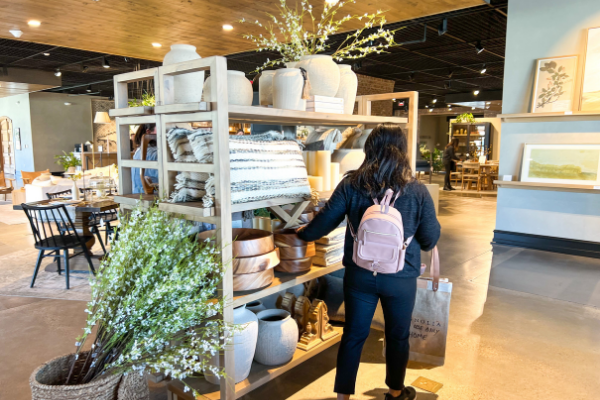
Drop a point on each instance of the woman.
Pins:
(386, 166)
(448, 158)
(151, 155)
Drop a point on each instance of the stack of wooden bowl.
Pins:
(296, 254)
(255, 256)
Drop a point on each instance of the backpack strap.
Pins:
(351, 228)
(387, 200)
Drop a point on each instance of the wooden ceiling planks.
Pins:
(129, 28)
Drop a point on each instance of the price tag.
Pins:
(507, 178)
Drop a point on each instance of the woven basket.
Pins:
(47, 383)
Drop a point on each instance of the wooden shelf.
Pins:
(193, 211)
(284, 281)
(130, 200)
(549, 117)
(259, 374)
(131, 111)
(553, 187)
(183, 108)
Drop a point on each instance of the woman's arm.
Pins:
(428, 232)
(328, 218)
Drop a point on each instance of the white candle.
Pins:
(311, 165)
(324, 168)
(316, 182)
(335, 175)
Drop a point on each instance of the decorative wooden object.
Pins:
(294, 253)
(248, 265)
(253, 281)
(287, 302)
(318, 329)
(301, 312)
(246, 242)
(295, 266)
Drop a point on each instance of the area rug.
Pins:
(9, 216)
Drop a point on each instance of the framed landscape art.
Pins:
(577, 164)
(554, 84)
(590, 90)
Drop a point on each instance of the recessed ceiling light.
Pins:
(449, 105)
(476, 92)
(331, 2)
(156, 45)
(426, 106)
(488, 103)
(479, 47)
(68, 104)
(431, 110)
(434, 101)
(58, 73)
(393, 99)
(16, 32)
(450, 109)
(483, 69)
(89, 88)
(227, 27)
(34, 23)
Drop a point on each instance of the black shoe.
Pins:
(448, 189)
(409, 393)
(451, 188)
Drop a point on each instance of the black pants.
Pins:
(448, 168)
(362, 291)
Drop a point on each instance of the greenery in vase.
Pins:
(154, 301)
(147, 100)
(437, 156)
(465, 118)
(67, 160)
(288, 35)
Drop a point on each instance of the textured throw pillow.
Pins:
(190, 186)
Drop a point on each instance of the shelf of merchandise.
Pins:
(550, 117)
(220, 114)
(553, 187)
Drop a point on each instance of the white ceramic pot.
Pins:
(291, 64)
(255, 306)
(348, 87)
(287, 89)
(277, 337)
(265, 88)
(239, 89)
(323, 74)
(75, 191)
(187, 87)
(244, 345)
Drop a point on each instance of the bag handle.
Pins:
(434, 268)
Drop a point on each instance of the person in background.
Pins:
(240, 132)
(386, 166)
(151, 155)
(449, 158)
(131, 142)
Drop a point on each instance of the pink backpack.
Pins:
(379, 243)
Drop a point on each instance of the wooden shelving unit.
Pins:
(220, 115)
(553, 187)
(550, 117)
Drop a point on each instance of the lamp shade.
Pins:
(101, 118)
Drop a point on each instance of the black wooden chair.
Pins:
(46, 222)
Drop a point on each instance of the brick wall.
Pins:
(371, 85)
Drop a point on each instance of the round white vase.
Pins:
(291, 64)
(239, 89)
(348, 87)
(244, 345)
(277, 337)
(187, 88)
(265, 88)
(323, 74)
(287, 89)
(255, 306)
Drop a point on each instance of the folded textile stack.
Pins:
(324, 104)
(330, 248)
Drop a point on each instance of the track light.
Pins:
(449, 105)
(479, 47)
(105, 63)
(84, 68)
(443, 28)
(58, 73)
(483, 69)
(89, 88)
(447, 85)
(126, 59)
(47, 54)
(450, 109)
(411, 76)
(434, 101)
(472, 108)
(476, 92)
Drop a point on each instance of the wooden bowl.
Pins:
(294, 253)
(295, 266)
(247, 242)
(253, 281)
(249, 265)
(288, 238)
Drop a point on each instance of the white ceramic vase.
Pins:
(265, 88)
(244, 345)
(255, 306)
(291, 64)
(187, 88)
(348, 87)
(287, 89)
(277, 337)
(239, 89)
(75, 191)
(323, 74)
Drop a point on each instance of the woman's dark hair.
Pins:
(453, 143)
(386, 164)
(141, 131)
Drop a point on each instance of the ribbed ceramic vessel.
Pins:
(244, 345)
(348, 87)
(287, 89)
(239, 89)
(277, 337)
(265, 88)
(323, 74)
(187, 87)
(255, 306)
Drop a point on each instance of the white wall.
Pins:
(538, 29)
(17, 109)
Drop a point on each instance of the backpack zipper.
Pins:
(381, 234)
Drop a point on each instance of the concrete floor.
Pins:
(503, 344)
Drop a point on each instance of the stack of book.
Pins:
(324, 104)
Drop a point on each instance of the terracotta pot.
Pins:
(187, 88)
(277, 337)
(323, 74)
(348, 87)
(239, 89)
(287, 89)
(246, 242)
(265, 88)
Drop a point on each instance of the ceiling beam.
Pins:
(34, 55)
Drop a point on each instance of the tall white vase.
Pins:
(287, 89)
(239, 89)
(277, 337)
(75, 191)
(244, 345)
(323, 74)
(187, 87)
(265, 88)
(348, 87)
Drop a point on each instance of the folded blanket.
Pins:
(336, 236)
(325, 260)
(190, 186)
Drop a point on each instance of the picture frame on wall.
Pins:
(18, 139)
(590, 86)
(554, 84)
(575, 164)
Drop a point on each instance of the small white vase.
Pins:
(287, 89)
(187, 88)
(348, 87)
(239, 89)
(277, 337)
(75, 191)
(255, 306)
(265, 88)
(291, 64)
(323, 74)
(244, 345)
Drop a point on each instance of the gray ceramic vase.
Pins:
(277, 337)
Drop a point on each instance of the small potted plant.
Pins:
(68, 161)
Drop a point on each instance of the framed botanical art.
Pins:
(590, 90)
(554, 85)
(577, 164)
